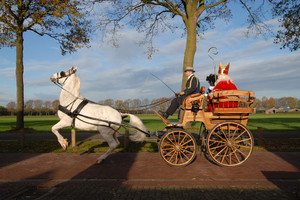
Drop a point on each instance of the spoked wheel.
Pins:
(178, 148)
(229, 144)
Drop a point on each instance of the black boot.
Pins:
(163, 114)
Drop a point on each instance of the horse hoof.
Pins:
(98, 162)
(65, 144)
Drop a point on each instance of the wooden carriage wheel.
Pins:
(229, 144)
(178, 148)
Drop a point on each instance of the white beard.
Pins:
(223, 77)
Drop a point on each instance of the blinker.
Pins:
(62, 74)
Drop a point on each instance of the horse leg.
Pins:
(62, 141)
(113, 143)
(116, 138)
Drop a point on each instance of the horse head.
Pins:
(61, 77)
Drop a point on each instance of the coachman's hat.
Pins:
(189, 69)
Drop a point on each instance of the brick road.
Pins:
(145, 176)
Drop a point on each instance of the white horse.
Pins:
(80, 113)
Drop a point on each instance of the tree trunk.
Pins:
(189, 54)
(190, 49)
(19, 79)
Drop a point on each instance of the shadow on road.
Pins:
(109, 180)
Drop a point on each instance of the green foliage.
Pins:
(62, 20)
(288, 12)
(3, 111)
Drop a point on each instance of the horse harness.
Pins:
(74, 115)
(76, 112)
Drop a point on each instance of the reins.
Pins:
(152, 104)
(61, 87)
(109, 123)
(136, 107)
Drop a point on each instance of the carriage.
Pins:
(225, 139)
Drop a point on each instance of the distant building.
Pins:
(281, 109)
(273, 110)
(294, 110)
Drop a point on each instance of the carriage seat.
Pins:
(194, 99)
(232, 101)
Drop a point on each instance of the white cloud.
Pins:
(8, 72)
(176, 47)
(276, 75)
(124, 72)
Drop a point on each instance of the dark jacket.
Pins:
(192, 86)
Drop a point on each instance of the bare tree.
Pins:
(257, 103)
(154, 16)
(54, 105)
(127, 104)
(11, 107)
(38, 105)
(145, 102)
(136, 103)
(118, 104)
(160, 103)
(47, 107)
(29, 107)
(108, 102)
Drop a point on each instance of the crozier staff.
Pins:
(192, 86)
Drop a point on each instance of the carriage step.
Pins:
(175, 123)
(159, 133)
(166, 121)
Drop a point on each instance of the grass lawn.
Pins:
(276, 122)
(271, 122)
(44, 123)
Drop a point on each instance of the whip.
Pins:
(163, 83)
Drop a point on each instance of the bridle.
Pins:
(60, 75)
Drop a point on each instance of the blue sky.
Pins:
(124, 73)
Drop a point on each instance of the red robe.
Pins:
(224, 85)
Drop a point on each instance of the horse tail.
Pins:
(138, 136)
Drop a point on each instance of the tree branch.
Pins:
(169, 5)
(249, 12)
(203, 7)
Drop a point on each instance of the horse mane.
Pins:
(74, 85)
